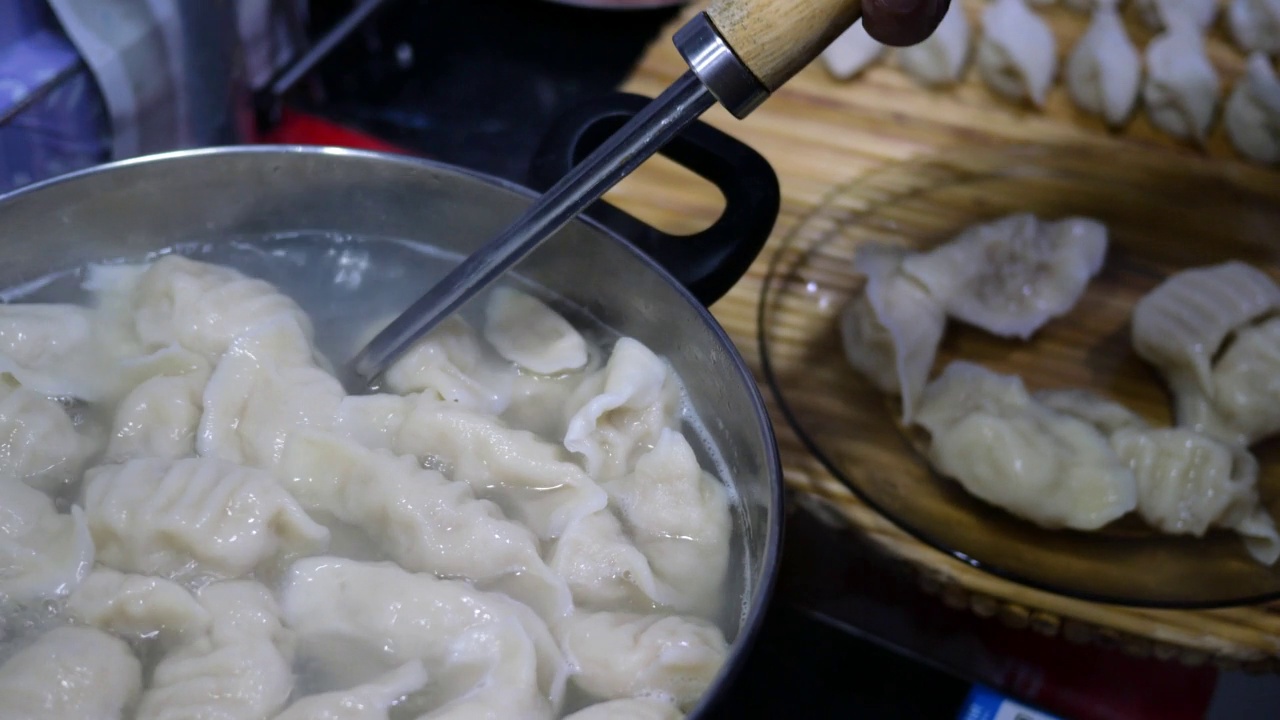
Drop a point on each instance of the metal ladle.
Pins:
(738, 51)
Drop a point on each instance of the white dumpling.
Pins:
(1252, 114)
(194, 517)
(604, 569)
(70, 673)
(1188, 482)
(851, 52)
(1246, 384)
(629, 709)
(1255, 25)
(1104, 71)
(622, 655)
(449, 363)
(159, 418)
(530, 479)
(1012, 275)
(1198, 13)
(43, 553)
(483, 652)
(941, 58)
(538, 401)
(50, 349)
(1002, 446)
(679, 517)
(1017, 55)
(619, 411)
(1181, 86)
(39, 443)
(526, 331)
(1180, 326)
(424, 522)
(1106, 415)
(370, 701)
(138, 608)
(240, 669)
(891, 330)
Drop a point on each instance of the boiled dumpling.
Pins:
(138, 608)
(370, 701)
(1180, 326)
(1012, 275)
(852, 52)
(449, 363)
(604, 569)
(423, 522)
(891, 330)
(1198, 13)
(1252, 114)
(1017, 56)
(1255, 25)
(629, 709)
(39, 443)
(1104, 72)
(50, 349)
(941, 58)
(70, 673)
(1002, 446)
(194, 516)
(43, 553)
(620, 655)
(1188, 481)
(1106, 415)
(525, 331)
(159, 418)
(1181, 88)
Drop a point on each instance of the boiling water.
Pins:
(351, 288)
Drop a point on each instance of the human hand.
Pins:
(902, 22)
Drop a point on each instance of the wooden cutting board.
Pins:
(820, 133)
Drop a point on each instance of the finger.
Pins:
(902, 22)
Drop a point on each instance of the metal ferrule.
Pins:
(718, 67)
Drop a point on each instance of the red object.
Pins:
(299, 128)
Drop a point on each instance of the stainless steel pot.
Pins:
(136, 206)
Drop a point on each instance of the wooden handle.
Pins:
(778, 38)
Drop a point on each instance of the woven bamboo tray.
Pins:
(820, 134)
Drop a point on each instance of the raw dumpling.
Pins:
(1181, 87)
(39, 443)
(1188, 481)
(604, 569)
(138, 608)
(679, 518)
(852, 52)
(423, 522)
(1246, 383)
(1180, 326)
(629, 709)
(70, 673)
(371, 701)
(1017, 56)
(619, 411)
(892, 329)
(941, 58)
(450, 364)
(194, 516)
(240, 669)
(1012, 275)
(1157, 14)
(1106, 415)
(1255, 25)
(1252, 115)
(159, 418)
(528, 478)
(620, 655)
(1007, 449)
(483, 653)
(1104, 72)
(525, 331)
(43, 554)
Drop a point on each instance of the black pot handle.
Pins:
(710, 262)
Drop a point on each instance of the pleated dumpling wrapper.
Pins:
(1255, 25)
(1017, 56)
(1181, 88)
(942, 57)
(1104, 72)
(852, 52)
(1252, 115)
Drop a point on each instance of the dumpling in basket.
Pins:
(1181, 89)
(1252, 115)
(1104, 72)
(1017, 56)
(1007, 449)
(941, 58)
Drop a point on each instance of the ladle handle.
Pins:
(776, 39)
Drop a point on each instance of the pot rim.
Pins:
(770, 563)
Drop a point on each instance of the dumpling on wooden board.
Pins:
(1156, 13)
(942, 57)
(852, 52)
(1252, 115)
(1012, 275)
(1181, 89)
(990, 435)
(1017, 55)
(1104, 71)
(1255, 25)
